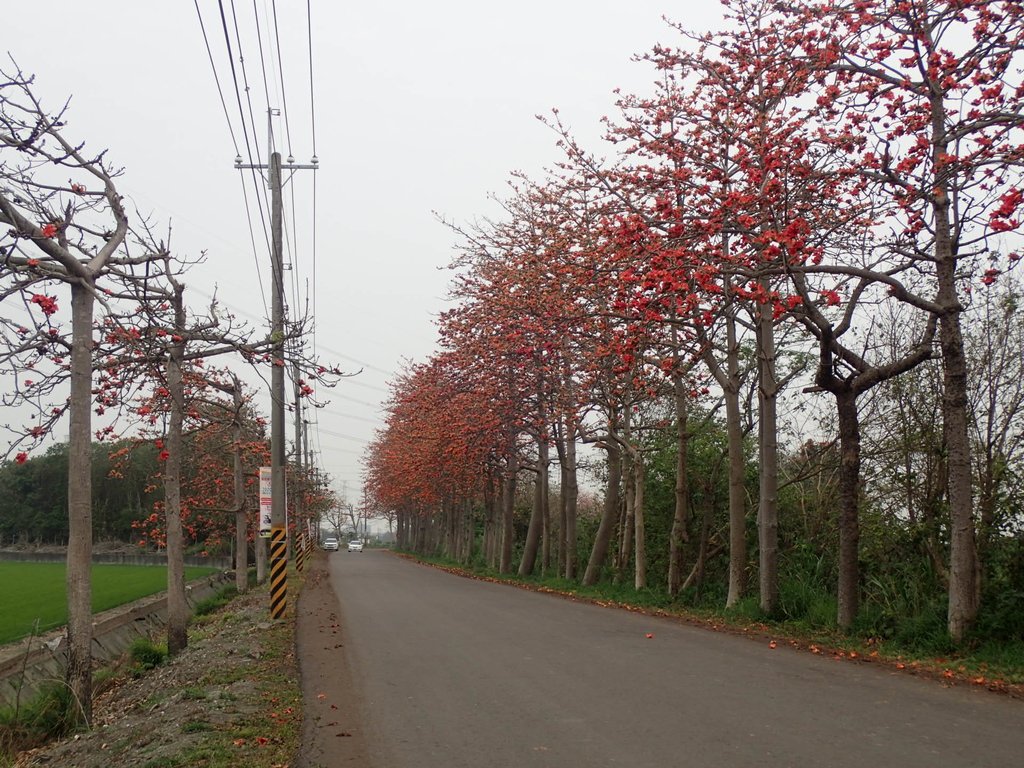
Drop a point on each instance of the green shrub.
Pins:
(53, 713)
(146, 654)
(215, 602)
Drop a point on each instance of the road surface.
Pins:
(453, 672)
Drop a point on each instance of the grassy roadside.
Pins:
(998, 668)
(232, 698)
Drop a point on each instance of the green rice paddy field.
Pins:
(31, 591)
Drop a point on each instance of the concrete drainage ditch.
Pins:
(29, 664)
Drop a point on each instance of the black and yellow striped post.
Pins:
(278, 572)
(300, 554)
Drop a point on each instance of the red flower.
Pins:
(831, 297)
(48, 230)
(164, 455)
(21, 458)
(46, 303)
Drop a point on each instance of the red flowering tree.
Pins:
(932, 89)
(169, 346)
(64, 224)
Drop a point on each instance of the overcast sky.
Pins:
(420, 107)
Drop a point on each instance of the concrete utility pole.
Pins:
(278, 509)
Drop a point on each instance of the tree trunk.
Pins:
(768, 512)
(702, 550)
(963, 608)
(679, 535)
(241, 527)
(737, 473)
(640, 539)
(849, 505)
(490, 549)
(545, 506)
(609, 515)
(79, 557)
(177, 606)
(533, 533)
(508, 515)
(626, 523)
(570, 492)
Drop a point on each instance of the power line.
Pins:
(360, 363)
(245, 130)
(350, 416)
(332, 352)
(341, 450)
(280, 69)
(312, 103)
(378, 406)
(343, 436)
(252, 239)
(216, 78)
(263, 60)
(312, 127)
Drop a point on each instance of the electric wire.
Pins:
(312, 102)
(252, 239)
(263, 60)
(312, 127)
(332, 352)
(350, 416)
(216, 79)
(280, 69)
(343, 436)
(291, 231)
(245, 130)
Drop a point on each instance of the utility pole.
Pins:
(278, 509)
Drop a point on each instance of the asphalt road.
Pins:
(455, 672)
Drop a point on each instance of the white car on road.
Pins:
(355, 546)
(330, 544)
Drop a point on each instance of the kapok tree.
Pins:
(65, 225)
(428, 462)
(169, 347)
(934, 87)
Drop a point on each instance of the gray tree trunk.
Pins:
(626, 521)
(570, 493)
(849, 505)
(508, 510)
(639, 535)
(963, 605)
(609, 515)
(177, 606)
(533, 533)
(737, 479)
(768, 512)
(79, 557)
(679, 534)
(241, 527)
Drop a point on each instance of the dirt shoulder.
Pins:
(235, 696)
(230, 698)
(332, 729)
